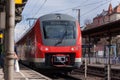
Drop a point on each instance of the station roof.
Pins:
(109, 29)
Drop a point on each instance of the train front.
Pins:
(61, 41)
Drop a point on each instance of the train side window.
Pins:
(28, 42)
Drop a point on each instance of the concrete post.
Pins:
(9, 55)
(85, 68)
(89, 51)
(109, 65)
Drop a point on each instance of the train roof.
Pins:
(54, 16)
(57, 16)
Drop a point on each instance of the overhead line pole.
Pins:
(109, 64)
(78, 14)
(9, 39)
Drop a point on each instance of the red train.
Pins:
(53, 42)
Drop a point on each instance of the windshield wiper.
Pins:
(61, 39)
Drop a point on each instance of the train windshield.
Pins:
(59, 29)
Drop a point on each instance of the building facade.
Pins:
(107, 16)
(101, 48)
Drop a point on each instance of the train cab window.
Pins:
(59, 29)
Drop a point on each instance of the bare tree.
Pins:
(87, 22)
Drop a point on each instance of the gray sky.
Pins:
(36, 8)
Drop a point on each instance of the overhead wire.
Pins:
(40, 8)
(64, 9)
(94, 8)
(27, 5)
(34, 6)
(70, 8)
(78, 6)
(22, 32)
(26, 25)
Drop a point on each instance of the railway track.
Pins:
(93, 72)
(100, 72)
(60, 76)
(56, 76)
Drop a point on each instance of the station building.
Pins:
(100, 46)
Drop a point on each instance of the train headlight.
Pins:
(72, 49)
(46, 49)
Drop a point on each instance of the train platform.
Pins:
(103, 65)
(25, 74)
